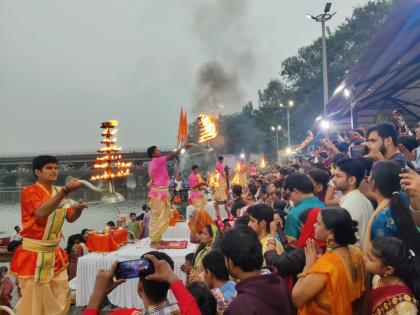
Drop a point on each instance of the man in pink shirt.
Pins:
(159, 198)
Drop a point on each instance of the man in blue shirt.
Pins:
(298, 188)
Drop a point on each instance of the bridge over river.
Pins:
(70, 158)
(16, 171)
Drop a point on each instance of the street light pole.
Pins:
(290, 104)
(323, 18)
(288, 127)
(324, 67)
(277, 129)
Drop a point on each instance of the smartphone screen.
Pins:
(220, 299)
(358, 151)
(134, 268)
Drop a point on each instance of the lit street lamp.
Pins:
(290, 104)
(325, 124)
(323, 18)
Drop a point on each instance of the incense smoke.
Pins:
(221, 80)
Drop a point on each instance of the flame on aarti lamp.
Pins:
(207, 128)
(214, 180)
(235, 179)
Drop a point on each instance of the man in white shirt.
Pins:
(348, 175)
(16, 236)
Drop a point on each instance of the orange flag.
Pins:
(180, 127)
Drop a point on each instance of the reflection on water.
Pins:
(94, 217)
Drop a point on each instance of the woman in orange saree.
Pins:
(330, 283)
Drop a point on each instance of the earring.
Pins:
(330, 243)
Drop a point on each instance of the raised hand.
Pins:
(374, 153)
(410, 181)
(80, 205)
(104, 284)
(163, 271)
(73, 184)
(311, 252)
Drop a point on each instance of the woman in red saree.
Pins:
(396, 285)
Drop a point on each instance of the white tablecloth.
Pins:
(179, 231)
(124, 295)
(209, 209)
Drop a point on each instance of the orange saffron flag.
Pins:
(180, 127)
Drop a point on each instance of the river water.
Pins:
(94, 217)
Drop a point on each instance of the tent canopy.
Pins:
(386, 77)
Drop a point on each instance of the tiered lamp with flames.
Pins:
(110, 161)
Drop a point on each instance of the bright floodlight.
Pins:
(288, 151)
(339, 88)
(278, 127)
(346, 93)
(310, 17)
(325, 124)
(242, 156)
(273, 128)
(318, 118)
(182, 151)
(327, 7)
(281, 105)
(291, 103)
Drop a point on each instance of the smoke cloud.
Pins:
(215, 87)
(221, 80)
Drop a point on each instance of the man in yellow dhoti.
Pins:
(40, 263)
(159, 198)
(243, 174)
(220, 194)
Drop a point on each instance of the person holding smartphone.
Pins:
(216, 277)
(382, 143)
(152, 289)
